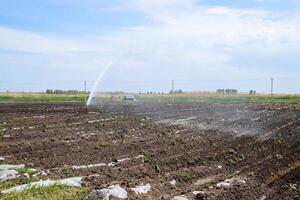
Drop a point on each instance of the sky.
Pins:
(200, 44)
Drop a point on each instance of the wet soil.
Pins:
(198, 145)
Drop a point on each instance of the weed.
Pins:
(269, 157)
(185, 176)
(132, 182)
(278, 156)
(231, 151)
(241, 157)
(292, 186)
(67, 171)
(25, 171)
(190, 161)
(55, 192)
(145, 158)
(173, 142)
(231, 162)
(157, 168)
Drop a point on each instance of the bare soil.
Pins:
(198, 145)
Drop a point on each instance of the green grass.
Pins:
(166, 98)
(221, 99)
(40, 98)
(25, 170)
(55, 192)
(18, 181)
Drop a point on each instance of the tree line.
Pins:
(50, 91)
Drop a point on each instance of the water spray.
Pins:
(101, 75)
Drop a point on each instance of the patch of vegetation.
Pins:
(157, 168)
(278, 141)
(10, 97)
(68, 171)
(18, 181)
(132, 182)
(278, 156)
(231, 151)
(23, 97)
(269, 157)
(145, 158)
(241, 157)
(235, 160)
(292, 186)
(214, 98)
(231, 162)
(56, 192)
(184, 176)
(25, 170)
(282, 172)
(7, 184)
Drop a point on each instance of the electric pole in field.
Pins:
(85, 92)
(172, 87)
(272, 86)
(172, 91)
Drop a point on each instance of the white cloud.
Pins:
(182, 39)
(18, 40)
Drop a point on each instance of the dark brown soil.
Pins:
(198, 145)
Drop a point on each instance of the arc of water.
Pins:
(99, 78)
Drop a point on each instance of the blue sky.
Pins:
(60, 43)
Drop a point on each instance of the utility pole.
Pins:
(172, 86)
(272, 86)
(173, 91)
(85, 92)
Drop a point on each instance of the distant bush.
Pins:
(220, 91)
(227, 91)
(176, 91)
(252, 92)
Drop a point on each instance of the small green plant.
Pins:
(157, 168)
(145, 158)
(185, 176)
(68, 171)
(231, 162)
(269, 157)
(241, 157)
(173, 142)
(132, 182)
(278, 156)
(190, 162)
(278, 141)
(231, 151)
(292, 186)
(25, 171)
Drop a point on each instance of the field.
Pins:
(18, 97)
(199, 148)
(12, 97)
